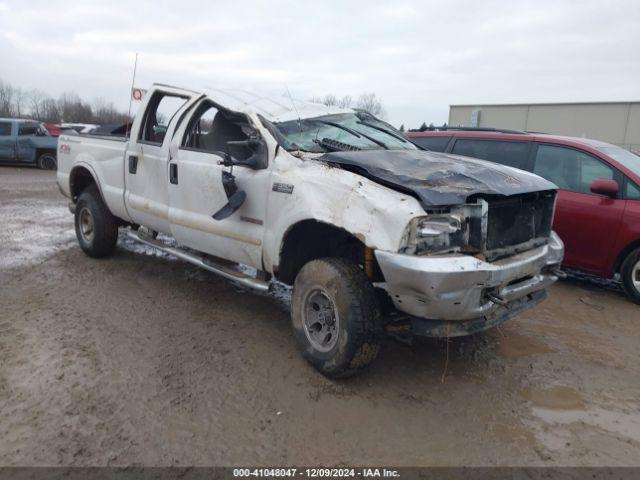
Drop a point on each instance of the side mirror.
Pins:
(604, 186)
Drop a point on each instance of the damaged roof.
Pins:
(274, 109)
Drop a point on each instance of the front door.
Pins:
(587, 223)
(7, 142)
(147, 159)
(196, 191)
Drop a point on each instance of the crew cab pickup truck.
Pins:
(375, 235)
(26, 142)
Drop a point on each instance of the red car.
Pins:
(598, 204)
(53, 129)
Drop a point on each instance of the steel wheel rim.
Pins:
(635, 276)
(86, 225)
(48, 162)
(321, 321)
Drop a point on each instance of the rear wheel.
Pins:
(96, 227)
(335, 317)
(630, 273)
(47, 161)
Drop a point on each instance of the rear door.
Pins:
(587, 223)
(147, 157)
(25, 149)
(7, 142)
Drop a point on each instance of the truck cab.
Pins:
(26, 142)
(371, 231)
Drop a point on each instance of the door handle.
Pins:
(173, 173)
(133, 164)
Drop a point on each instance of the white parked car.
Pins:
(80, 127)
(374, 234)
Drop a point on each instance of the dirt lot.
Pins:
(142, 359)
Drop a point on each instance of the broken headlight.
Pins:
(435, 233)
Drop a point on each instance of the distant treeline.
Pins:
(69, 107)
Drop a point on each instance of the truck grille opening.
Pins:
(519, 219)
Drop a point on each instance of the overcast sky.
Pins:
(418, 57)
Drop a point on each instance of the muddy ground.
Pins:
(142, 359)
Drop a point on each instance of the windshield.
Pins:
(344, 131)
(624, 157)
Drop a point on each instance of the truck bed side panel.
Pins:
(104, 158)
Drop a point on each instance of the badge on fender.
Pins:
(282, 188)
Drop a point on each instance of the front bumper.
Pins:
(458, 287)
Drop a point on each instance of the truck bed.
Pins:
(103, 157)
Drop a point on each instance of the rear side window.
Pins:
(28, 129)
(435, 144)
(513, 154)
(159, 114)
(5, 129)
(570, 169)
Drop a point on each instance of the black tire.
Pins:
(630, 273)
(47, 161)
(346, 289)
(96, 227)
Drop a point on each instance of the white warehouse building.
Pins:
(613, 122)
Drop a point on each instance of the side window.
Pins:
(27, 129)
(570, 169)
(435, 144)
(5, 129)
(590, 169)
(159, 114)
(210, 130)
(632, 191)
(513, 154)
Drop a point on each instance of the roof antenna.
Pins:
(294, 108)
(133, 82)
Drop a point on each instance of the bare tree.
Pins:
(73, 109)
(36, 104)
(371, 104)
(50, 112)
(367, 102)
(331, 100)
(6, 100)
(106, 112)
(36, 99)
(20, 102)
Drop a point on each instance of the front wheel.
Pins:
(630, 273)
(47, 161)
(96, 227)
(335, 317)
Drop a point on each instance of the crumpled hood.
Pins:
(438, 179)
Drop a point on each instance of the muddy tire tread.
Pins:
(364, 314)
(106, 225)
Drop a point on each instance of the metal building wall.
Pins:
(613, 122)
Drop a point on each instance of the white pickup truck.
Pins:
(374, 234)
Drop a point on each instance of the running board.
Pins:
(206, 263)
